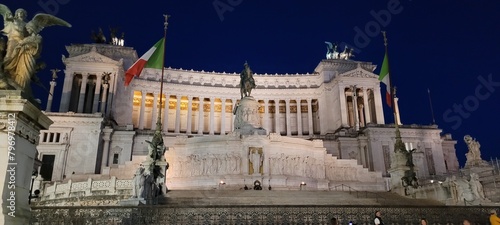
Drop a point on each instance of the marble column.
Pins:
(277, 116)
(66, 92)
(200, 116)
(83, 88)
(165, 112)
(51, 96)
(343, 107)
(154, 114)
(361, 117)
(266, 116)
(366, 106)
(234, 102)
(189, 114)
(105, 150)
(299, 117)
(223, 117)
(143, 107)
(379, 111)
(355, 107)
(212, 115)
(104, 98)
(310, 117)
(288, 125)
(178, 115)
(97, 93)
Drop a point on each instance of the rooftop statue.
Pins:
(23, 47)
(474, 154)
(247, 83)
(331, 51)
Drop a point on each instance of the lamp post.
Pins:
(34, 175)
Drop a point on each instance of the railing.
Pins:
(358, 193)
(90, 187)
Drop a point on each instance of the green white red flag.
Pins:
(153, 58)
(384, 77)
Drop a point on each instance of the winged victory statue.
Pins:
(19, 54)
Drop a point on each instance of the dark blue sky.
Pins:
(449, 46)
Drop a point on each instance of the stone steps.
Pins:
(289, 198)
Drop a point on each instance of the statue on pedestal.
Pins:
(19, 55)
(247, 82)
(474, 154)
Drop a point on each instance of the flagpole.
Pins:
(430, 103)
(158, 120)
(398, 145)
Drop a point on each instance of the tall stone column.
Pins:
(83, 88)
(266, 115)
(223, 117)
(288, 125)
(66, 92)
(154, 114)
(165, 112)
(104, 98)
(277, 116)
(234, 101)
(178, 115)
(379, 111)
(105, 149)
(299, 117)
(189, 114)
(310, 116)
(343, 107)
(51, 96)
(355, 107)
(143, 107)
(212, 115)
(200, 116)
(366, 106)
(97, 92)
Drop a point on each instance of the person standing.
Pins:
(423, 221)
(494, 219)
(378, 218)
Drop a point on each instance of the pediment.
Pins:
(359, 73)
(92, 57)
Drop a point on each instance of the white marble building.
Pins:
(101, 126)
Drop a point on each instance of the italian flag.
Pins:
(384, 77)
(153, 58)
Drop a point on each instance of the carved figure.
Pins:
(247, 82)
(256, 160)
(476, 186)
(474, 154)
(24, 43)
(463, 190)
(138, 182)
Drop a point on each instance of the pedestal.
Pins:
(20, 123)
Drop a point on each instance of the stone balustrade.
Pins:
(90, 187)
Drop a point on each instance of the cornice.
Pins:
(92, 57)
(216, 79)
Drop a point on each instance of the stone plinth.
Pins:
(247, 119)
(20, 123)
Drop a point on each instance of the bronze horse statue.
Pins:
(247, 82)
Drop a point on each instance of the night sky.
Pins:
(449, 46)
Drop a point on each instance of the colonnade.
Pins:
(214, 115)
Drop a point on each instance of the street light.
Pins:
(34, 175)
